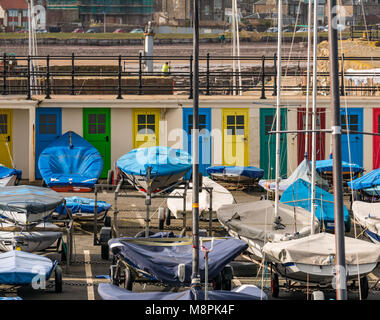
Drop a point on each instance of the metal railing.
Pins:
(125, 75)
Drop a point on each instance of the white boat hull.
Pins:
(220, 197)
(8, 181)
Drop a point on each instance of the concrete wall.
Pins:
(72, 119)
(121, 133)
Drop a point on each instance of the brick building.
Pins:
(14, 14)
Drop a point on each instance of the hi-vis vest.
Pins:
(165, 68)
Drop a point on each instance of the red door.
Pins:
(376, 139)
(320, 138)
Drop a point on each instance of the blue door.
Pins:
(204, 136)
(352, 143)
(48, 128)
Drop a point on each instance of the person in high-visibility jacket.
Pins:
(165, 69)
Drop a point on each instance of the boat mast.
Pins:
(233, 16)
(314, 115)
(308, 81)
(278, 116)
(340, 264)
(195, 277)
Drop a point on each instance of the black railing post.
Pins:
(47, 77)
(4, 73)
(352, 32)
(275, 75)
(119, 80)
(29, 96)
(342, 89)
(140, 73)
(72, 74)
(263, 78)
(191, 78)
(208, 74)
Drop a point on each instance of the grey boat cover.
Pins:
(109, 291)
(368, 215)
(29, 199)
(319, 249)
(254, 220)
(303, 171)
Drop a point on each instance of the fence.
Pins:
(121, 75)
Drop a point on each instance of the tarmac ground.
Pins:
(88, 269)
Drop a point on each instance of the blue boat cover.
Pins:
(327, 166)
(19, 267)
(70, 161)
(369, 180)
(250, 172)
(29, 199)
(84, 205)
(299, 195)
(161, 261)
(7, 172)
(109, 291)
(164, 161)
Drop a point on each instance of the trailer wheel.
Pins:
(167, 217)
(110, 177)
(128, 279)
(364, 288)
(105, 251)
(227, 275)
(58, 279)
(217, 282)
(107, 221)
(275, 286)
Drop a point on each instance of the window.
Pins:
(146, 124)
(201, 124)
(217, 4)
(13, 13)
(96, 123)
(47, 123)
(3, 123)
(235, 125)
(207, 10)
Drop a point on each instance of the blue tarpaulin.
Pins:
(299, 195)
(111, 292)
(250, 172)
(163, 161)
(161, 261)
(19, 267)
(84, 205)
(369, 180)
(7, 172)
(327, 166)
(70, 161)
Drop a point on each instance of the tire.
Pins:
(110, 176)
(217, 282)
(128, 279)
(105, 251)
(168, 217)
(161, 224)
(227, 275)
(364, 288)
(58, 279)
(275, 286)
(107, 221)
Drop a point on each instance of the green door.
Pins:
(268, 143)
(97, 131)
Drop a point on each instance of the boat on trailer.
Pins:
(220, 196)
(311, 260)
(256, 223)
(156, 167)
(236, 174)
(70, 163)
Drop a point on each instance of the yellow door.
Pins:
(235, 137)
(146, 128)
(6, 145)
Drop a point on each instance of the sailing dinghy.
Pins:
(159, 167)
(24, 205)
(8, 176)
(220, 196)
(70, 163)
(299, 195)
(303, 171)
(311, 259)
(256, 223)
(236, 174)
